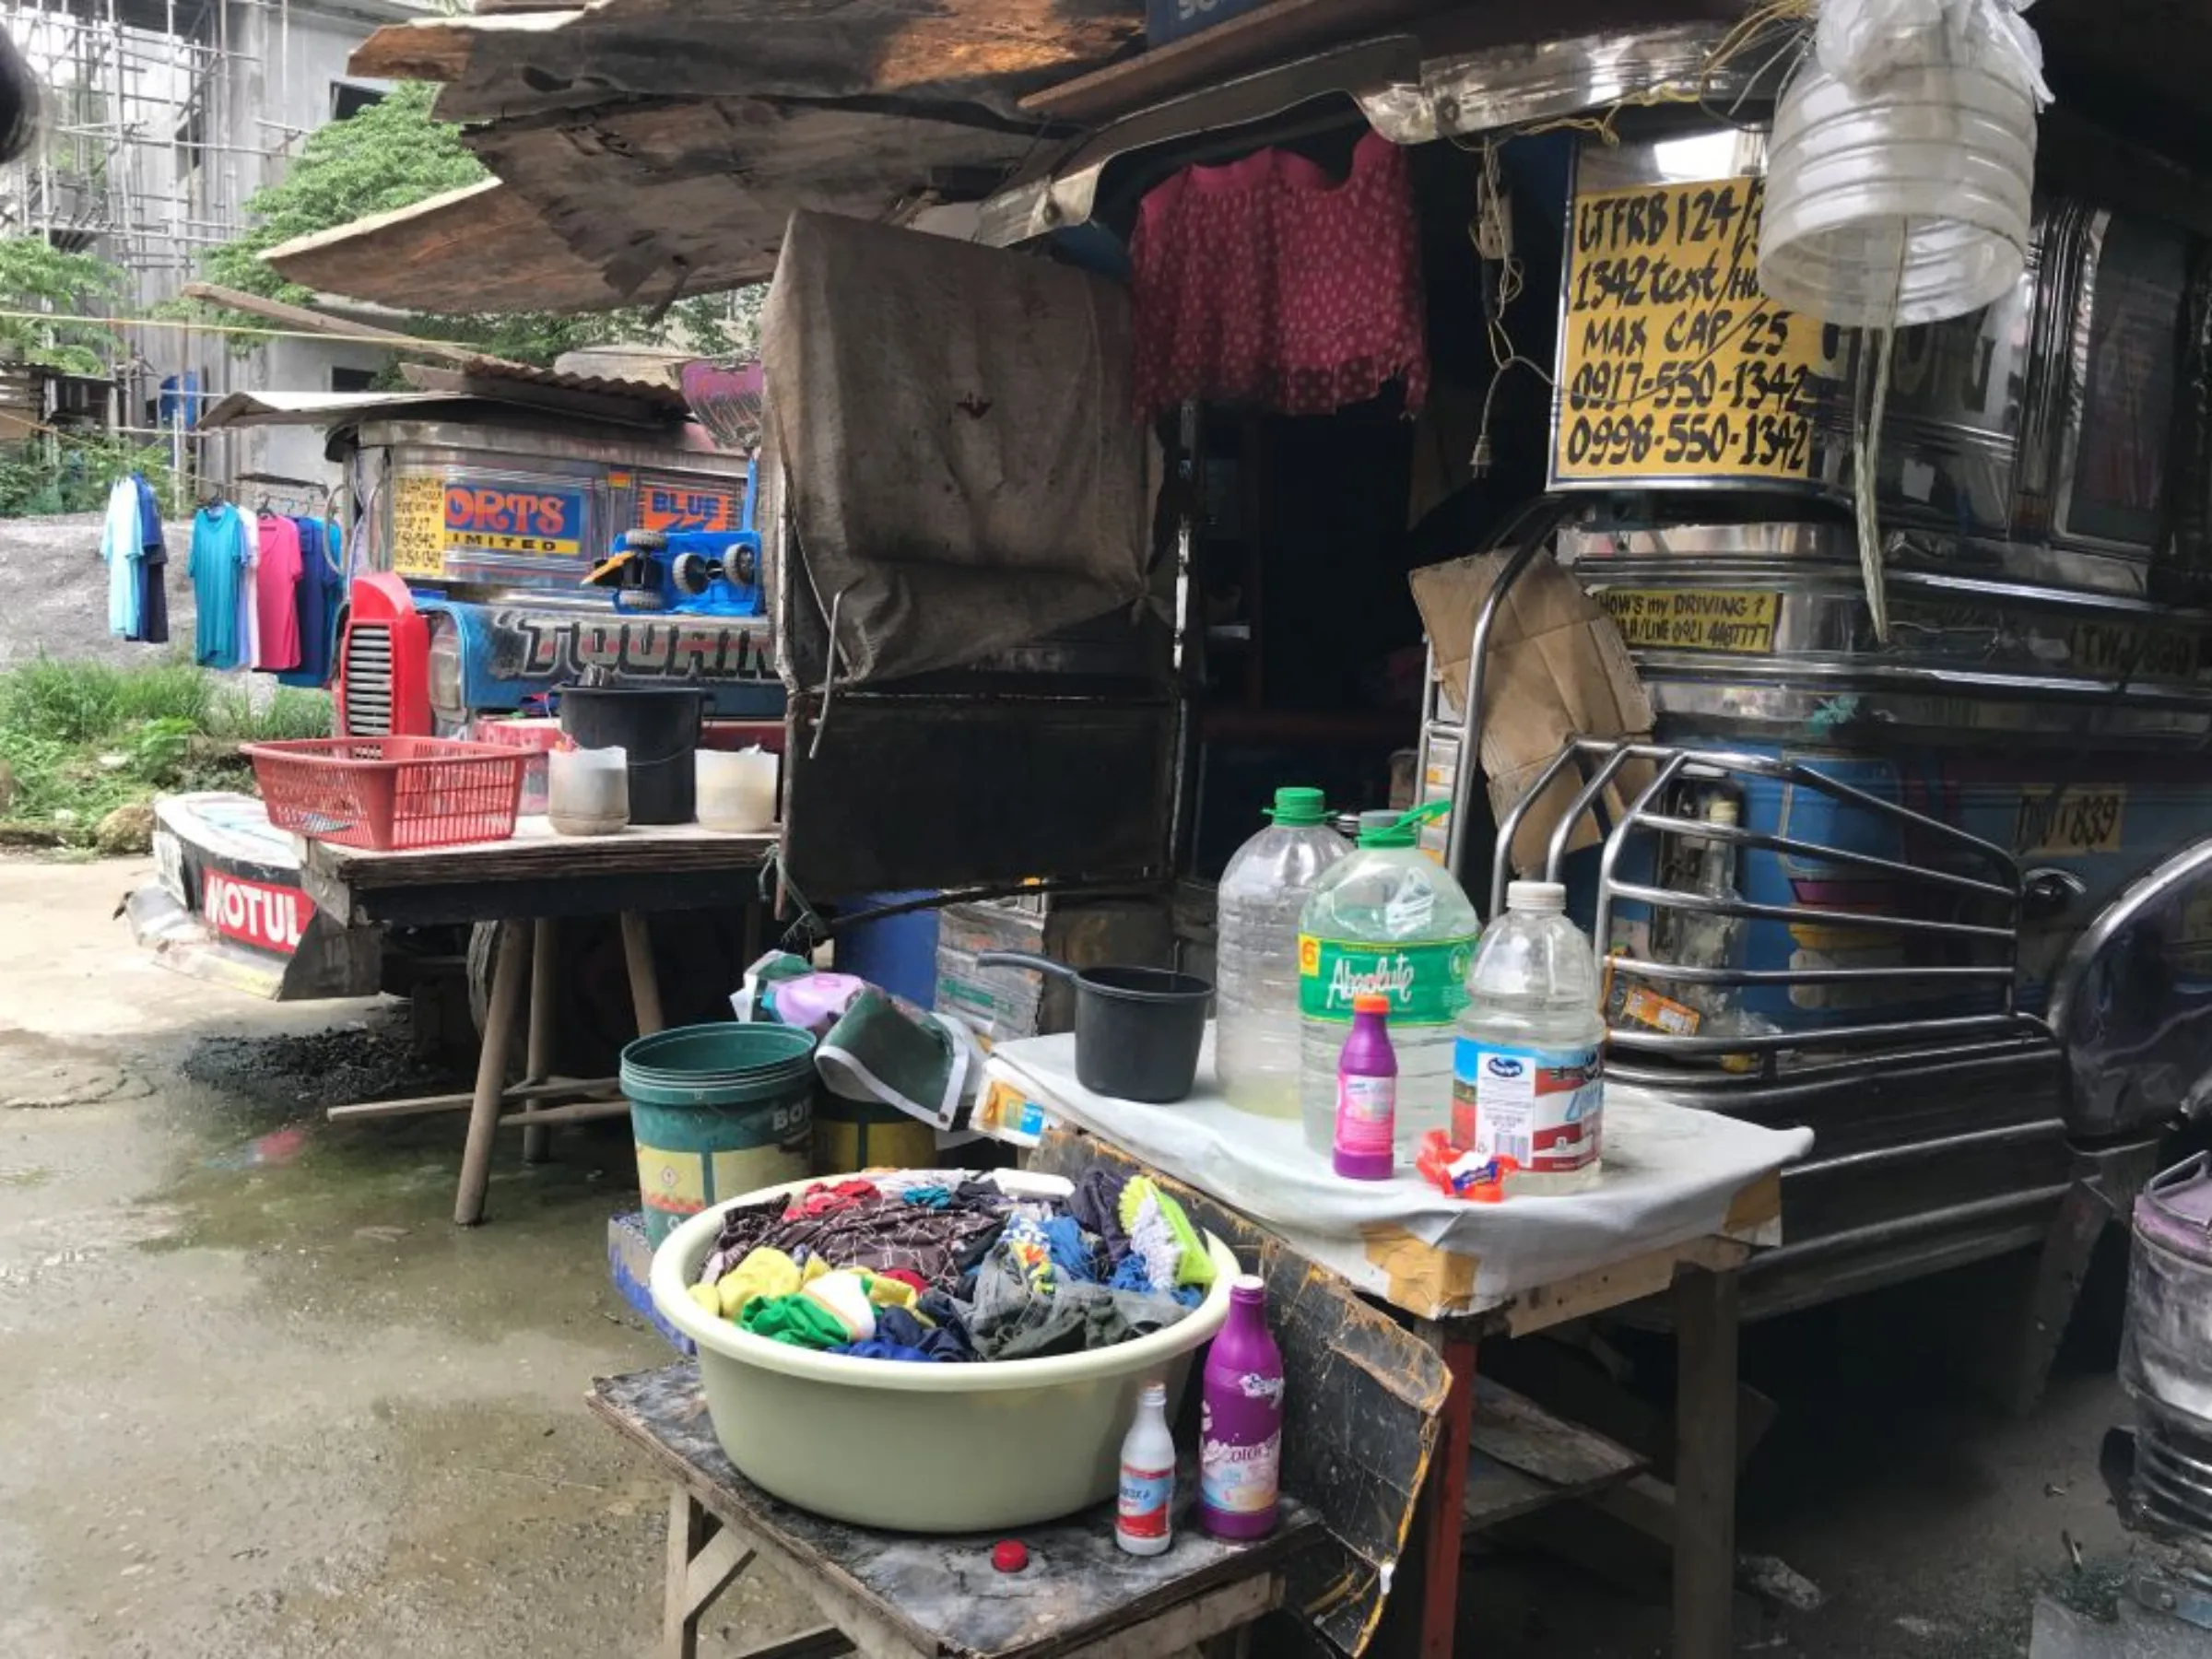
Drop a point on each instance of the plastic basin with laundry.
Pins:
(925, 1448)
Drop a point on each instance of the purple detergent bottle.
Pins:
(1240, 1430)
(1366, 1094)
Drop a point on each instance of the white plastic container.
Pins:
(737, 790)
(1258, 905)
(1144, 1517)
(1389, 919)
(587, 791)
(1529, 1072)
(1904, 200)
(978, 1448)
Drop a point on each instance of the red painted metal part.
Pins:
(1447, 1514)
(382, 602)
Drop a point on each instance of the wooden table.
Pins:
(898, 1595)
(525, 885)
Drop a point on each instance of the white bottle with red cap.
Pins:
(1143, 1519)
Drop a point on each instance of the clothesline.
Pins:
(385, 340)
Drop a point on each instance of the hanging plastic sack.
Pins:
(1900, 179)
(1900, 169)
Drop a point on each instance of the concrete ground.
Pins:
(260, 1398)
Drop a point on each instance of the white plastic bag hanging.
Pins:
(1902, 163)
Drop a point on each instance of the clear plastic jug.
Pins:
(1389, 920)
(1258, 905)
(1529, 1080)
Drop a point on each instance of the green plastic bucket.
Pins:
(717, 1110)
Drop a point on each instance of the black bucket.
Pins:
(658, 729)
(1138, 1030)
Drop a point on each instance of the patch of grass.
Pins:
(82, 738)
(293, 712)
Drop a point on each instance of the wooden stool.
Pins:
(904, 1595)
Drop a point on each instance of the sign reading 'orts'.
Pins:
(255, 912)
(495, 518)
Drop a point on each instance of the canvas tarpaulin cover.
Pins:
(953, 423)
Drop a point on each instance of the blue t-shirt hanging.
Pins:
(153, 568)
(317, 599)
(219, 557)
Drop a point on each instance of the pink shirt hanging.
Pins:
(1268, 283)
(276, 595)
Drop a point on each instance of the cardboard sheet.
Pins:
(1558, 670)
(1672, 1175)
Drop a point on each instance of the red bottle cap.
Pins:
(1370, 1002)
(1009, 1555)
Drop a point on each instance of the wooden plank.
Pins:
(1267, 35)
(535, 850)
(679, 1618)
(531, 898)
(927, 1592)
(1498, 1493)
(1512, 1428)
(552, 1088)
(1525, 1459)
(1615, 1287)
(1705, 1327)
(824, 1641)
(315, 322)
(583, 1111)
(714, 1569)
(1366, 1395)
(1179, 1628)
(536, 873)
(481, 247)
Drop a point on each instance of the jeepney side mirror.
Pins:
(2049, 892)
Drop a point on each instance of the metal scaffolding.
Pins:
(153, 141)
(135, 165)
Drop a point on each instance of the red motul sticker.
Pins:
(255, 912)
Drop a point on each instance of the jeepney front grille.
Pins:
(368, 668)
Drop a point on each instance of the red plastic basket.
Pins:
(385, 794)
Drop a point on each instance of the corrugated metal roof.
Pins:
(657, 392)
(309, 408)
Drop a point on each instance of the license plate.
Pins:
(2086, 818)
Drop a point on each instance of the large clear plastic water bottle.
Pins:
(1257, 907)
(1389, 920)
(1529, 1074)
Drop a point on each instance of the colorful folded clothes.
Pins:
(927, 1266)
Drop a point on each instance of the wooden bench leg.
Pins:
(1704, 1531)
(702, 1562)
(491, 1074)
(545, 987)
(644, 979)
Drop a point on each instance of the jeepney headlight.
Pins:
(443, 674)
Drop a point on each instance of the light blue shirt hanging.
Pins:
(122, 545)
(218, 562)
